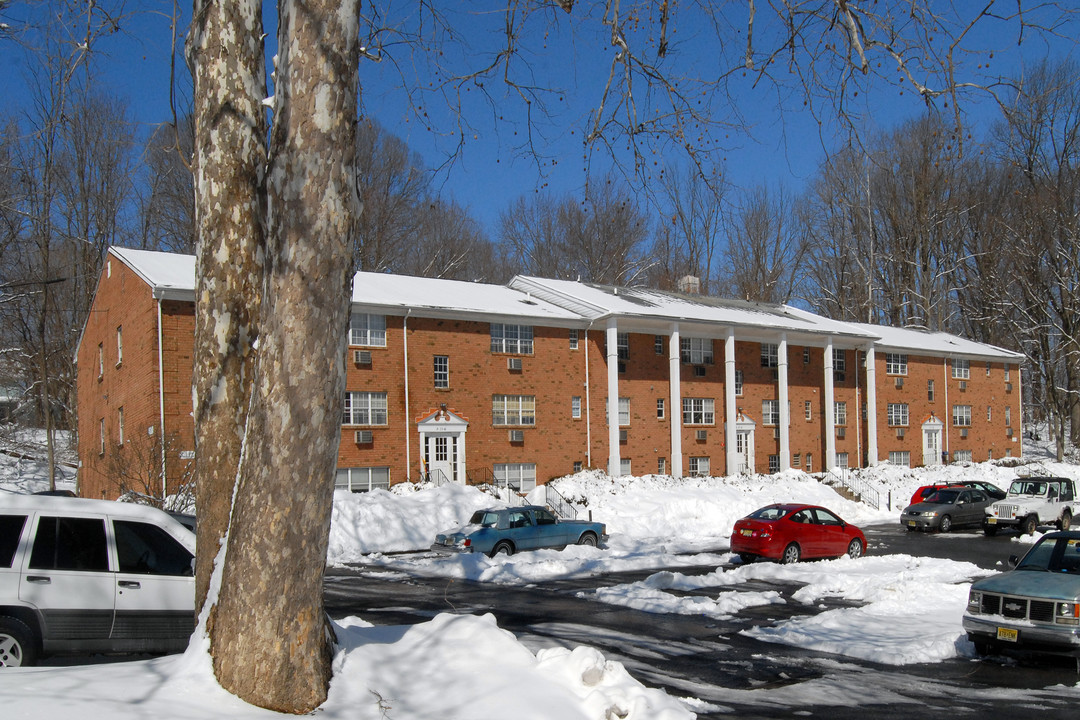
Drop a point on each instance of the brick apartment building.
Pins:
(521, 383)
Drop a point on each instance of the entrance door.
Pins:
(742, 450)
(441, 454)
(932, 443)
(442, 446)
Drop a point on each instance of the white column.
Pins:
(871, 407)
(675, 398)
(612, 339)
(829, 410)
(782, 398)
(730, 411)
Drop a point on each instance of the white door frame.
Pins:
(444, 428)
(932, 431)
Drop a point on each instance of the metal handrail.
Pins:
(559, 504)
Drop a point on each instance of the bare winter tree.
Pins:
(449, 244)
(166, 195)
(690, 229)
(765, 247)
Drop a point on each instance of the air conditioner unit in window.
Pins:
(1008, 387)
(517, 436)
(776, 433)
(699, 371)
(701, 435)
(838, 376)
(963, 432)
(513, 364)
(841, 432)
(898, 382)
(362, 357)
(775, 374)
(963, 384)
(623, 436)
(1008, 432)
(900, 433)
(364, 437)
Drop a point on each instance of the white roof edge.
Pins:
(937, 343)
(537, 286)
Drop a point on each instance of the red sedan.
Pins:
(791, 532)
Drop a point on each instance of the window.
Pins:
(1008, 417)
(898, 414)
(839, 360)
(660, 413)
(808, 410)
(774, 464)
(119, 345)
(362, 479)
(120, 426)
(989, 414)
(1006, 372)
(11, 527)
(624, 411)
(988, 369)
(514, 339)
(696, 351)
(901, 458)
(100, 360)
(661, 466)
(961, 369)
(895, 364)
(809, 462)
(575, 407)
(513, 409)
(623, 345)
(960, 456)
(769, 355)
(442, 371)
(573, 339)
(961, 415)
(365, 408)
(840, 413)
(148, 550)
(770, 412)
(738, 382)
(930, 390)
(577, 466)
(806, 356)
(66, 543)
(101, 436)
(842, 460)
(624, 466)
(699, 466)
(658, 344)
(368, 330)
(796, 460)
(699, 411)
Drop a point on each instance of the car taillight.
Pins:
(467, 543)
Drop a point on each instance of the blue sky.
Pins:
(569, 55)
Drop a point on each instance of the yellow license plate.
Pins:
(911, 523)
(1008, 634)
(746, 533)
(991, 520)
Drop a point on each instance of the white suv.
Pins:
(88, 576)
(1032, 502)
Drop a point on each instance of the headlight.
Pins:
(930, 513)
(974, 601)
(1067, 613)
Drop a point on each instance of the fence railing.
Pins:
(859, 486)
(559, 504)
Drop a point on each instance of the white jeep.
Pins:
(1032, 502)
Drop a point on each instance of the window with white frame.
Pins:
(623, 345)
(809, 462)
(842, 460)
(960, 456)
(624, 466)
(624, 411)
(961, 369)
(898, 414)
(658, 344)
(516, 476)
(699, 411)
(930, 390)
(661, 410)
(988, 369)
(100, 360)
(989, 413)
(362, 479)
(367, 330)
(696, 351)
(661, 466)
(895, 364)
(573, 339)
(699, 466)
(1006, 372)
(119, 345)
(513, 409)
(770, 412)
(808, 410)
(120, 426)
(365, 408)
(806, 356)
(839, 360)
(575, 407)
(512, 339)
(796, 460)
(738, 382)
(840, 412)
(770, 355)
(442, 371)
(900, 457)
(774, 463)
(961, 415)
(1008, 417)
(101, 436)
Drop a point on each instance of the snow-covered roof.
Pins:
(925, 342)
(169, 275)
(649, 306)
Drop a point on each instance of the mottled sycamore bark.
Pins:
(225, 50)
(268, 636)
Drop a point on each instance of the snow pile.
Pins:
(444, 668)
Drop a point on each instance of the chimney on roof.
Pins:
(690, 284)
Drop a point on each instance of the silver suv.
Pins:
(89, 576)
(1031, 503)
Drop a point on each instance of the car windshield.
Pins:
(1027, 487)
(484, 518)
(772, 512)
(1060, 555)
(943, 497)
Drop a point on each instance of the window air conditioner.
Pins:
(841, 432)
(838, 376)
(364, 437)
(623, 436)
(963, 385)
(517, 436)
(513, 364)
(898, 382)
(1008, 432)
(900, 433)
(699, 371)
(702, 435)
(1008, 387)
(362, 357)
(963, 432)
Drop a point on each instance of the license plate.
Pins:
(1008, 634)
(911, 523)
(991, 521)
(746, 533)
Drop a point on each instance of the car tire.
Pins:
(18, 645)
(791, 555)
(855, 549)
(747, 558)
(946, 523)
(1065, 521)
(990, 530)
(1030, 524)
(587, 539)
(502, 548)
(983, 646)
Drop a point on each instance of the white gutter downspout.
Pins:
(948, 414)
(161, 402)
(405, 343)
(1020, 406)
(588, 403)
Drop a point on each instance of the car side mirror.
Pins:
(1013, 561)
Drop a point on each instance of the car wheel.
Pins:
(18, 646)
(791, 554)
(946, 523)
(502, 548)
(990, 530)
(1029, 525)
(1065, 521)
(855, 549)
(747, 558)
(983, 646)
(587, 539)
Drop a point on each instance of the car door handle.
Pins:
(39, 579)
(130, 584)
